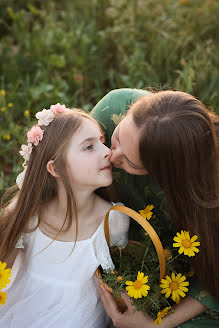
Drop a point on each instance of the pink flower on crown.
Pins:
(45, 117)
(26, 151)
(35, 135)
(58, 108)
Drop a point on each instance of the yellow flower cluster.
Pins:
(5, 274)
(6, 137)
(173, 285)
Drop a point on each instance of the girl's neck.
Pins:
(90, 212)
(85, 204)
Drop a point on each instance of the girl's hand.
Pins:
(130, 318)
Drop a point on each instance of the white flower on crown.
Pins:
(45, 117)
(20, 178)
(26, 151)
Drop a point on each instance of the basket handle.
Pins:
(146, 226)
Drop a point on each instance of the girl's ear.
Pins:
(51, 169)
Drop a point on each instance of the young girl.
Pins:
(52, 231)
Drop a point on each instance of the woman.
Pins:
(170, 136)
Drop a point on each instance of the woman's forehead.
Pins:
(129, 135)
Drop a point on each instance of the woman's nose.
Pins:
(115, 154)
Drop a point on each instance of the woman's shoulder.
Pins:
(117, 101)
(127, 93)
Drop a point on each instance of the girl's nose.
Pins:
(107, 151)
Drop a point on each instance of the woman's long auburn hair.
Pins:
(178, 148)
(39, 186)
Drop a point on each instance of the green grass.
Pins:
(75, 52)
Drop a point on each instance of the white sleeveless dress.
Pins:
(57, 288)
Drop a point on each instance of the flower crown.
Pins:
(35, 135)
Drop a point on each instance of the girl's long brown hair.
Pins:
(39, 187)
(178, 148)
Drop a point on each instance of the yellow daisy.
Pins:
(186, 244)
(146, 213)
(6, 137)
(27, 113)
(162, 314)
(2, 93)
(5, 274)
(174, 286)
(138, 288)
(3, 297)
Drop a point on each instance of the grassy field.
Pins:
(75, 52)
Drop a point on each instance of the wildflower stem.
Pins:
(175, 257)
(120, 262)
(145, 253)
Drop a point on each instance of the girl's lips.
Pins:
(107, 168)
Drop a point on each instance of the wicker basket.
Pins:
(150, 231)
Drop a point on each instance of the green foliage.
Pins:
(74, 52)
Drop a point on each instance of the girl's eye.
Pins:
(90, 147)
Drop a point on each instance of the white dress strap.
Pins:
(101, 250)
(19, 260)
(15, 269)
(118, 229)
(21, 242)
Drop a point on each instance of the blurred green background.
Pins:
(74, 52)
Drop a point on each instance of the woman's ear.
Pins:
(51, 169)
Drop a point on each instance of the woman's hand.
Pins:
(186, 310)
(130, 318)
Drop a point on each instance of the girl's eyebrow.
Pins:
(101, 137)
(88, 139)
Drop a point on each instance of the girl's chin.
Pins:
(108, 182)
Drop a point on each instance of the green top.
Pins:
(138, 191)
